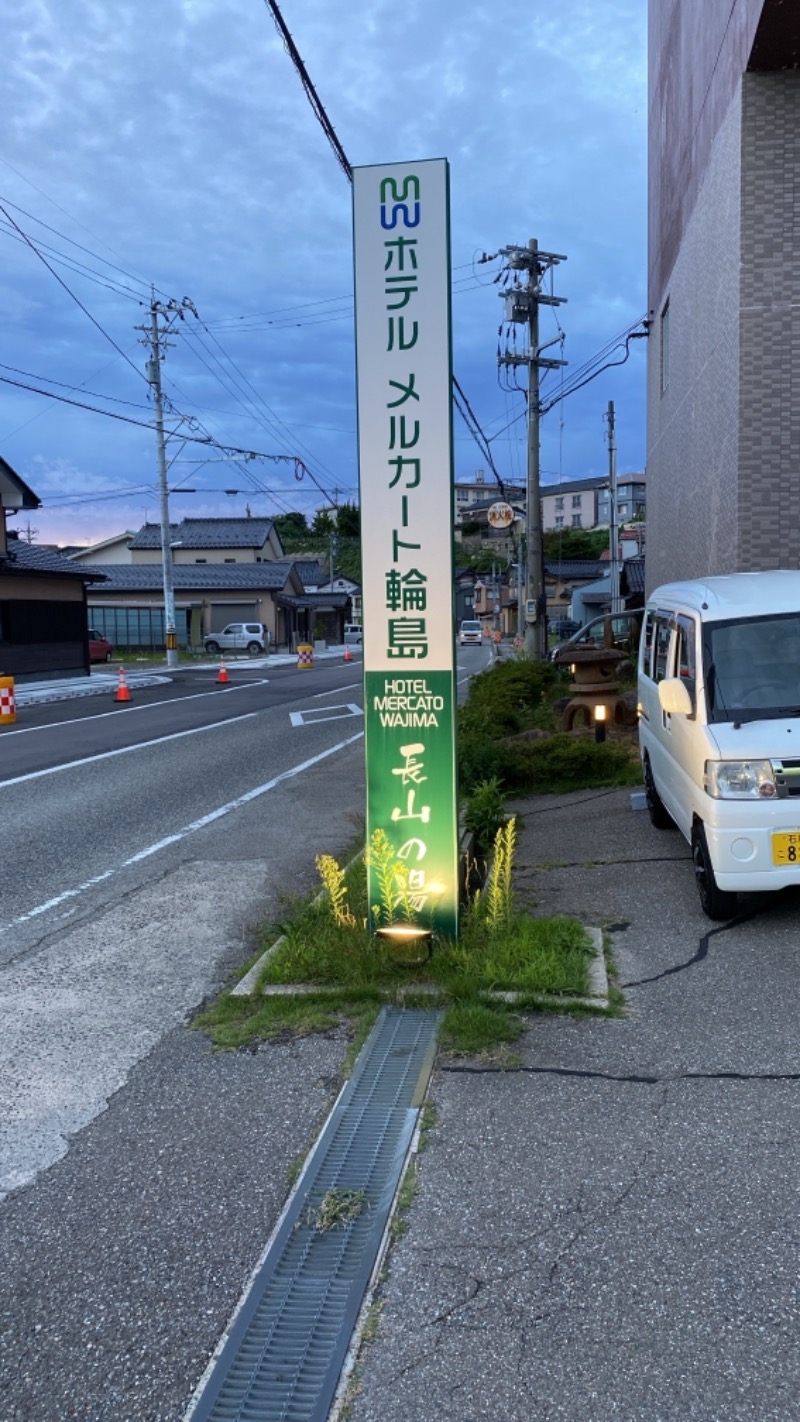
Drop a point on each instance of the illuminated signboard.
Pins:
(402, 284)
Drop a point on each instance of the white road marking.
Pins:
(148, 706)
(336, 689)
(183, 833)
(123, 750)
(314, 715)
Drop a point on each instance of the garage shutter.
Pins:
(224, 612)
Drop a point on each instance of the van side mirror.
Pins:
(674, 698)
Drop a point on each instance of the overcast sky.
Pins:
(171, 141)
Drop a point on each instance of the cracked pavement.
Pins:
(611, 1230)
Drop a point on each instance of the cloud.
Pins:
(172, 138)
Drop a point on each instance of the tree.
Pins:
(563, 545)
(292, 529)
(348, 521)
(324, 523)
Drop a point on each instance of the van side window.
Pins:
(663, 632)
(647, 644)
(685, 662)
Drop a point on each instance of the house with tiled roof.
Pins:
(210, 540)
(43, 617)
(129, 608)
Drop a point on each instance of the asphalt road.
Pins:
(148, 842)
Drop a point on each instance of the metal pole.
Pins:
(613, 533)
(534, 582)
(154, 376)
(520, 581)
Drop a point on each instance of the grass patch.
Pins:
(233, 1022)
(473, 1029)
(326, 945)
(336, 1210)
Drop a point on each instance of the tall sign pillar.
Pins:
(404, 376)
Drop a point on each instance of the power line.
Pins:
(96, 394)
(471, 421)
(311, 93)
(209, 440)
(71, 293)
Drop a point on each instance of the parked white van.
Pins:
(719, 728)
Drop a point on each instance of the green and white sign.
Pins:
(402, 285)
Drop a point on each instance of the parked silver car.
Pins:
(620, 630)
(252, 637)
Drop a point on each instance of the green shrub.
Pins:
(480, 758)
(485, 813)
(505, 698)
(567, 762)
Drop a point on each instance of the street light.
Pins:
(408, 943)
(599, 723)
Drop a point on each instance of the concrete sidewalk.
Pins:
(607, 1231)
(610, 1230)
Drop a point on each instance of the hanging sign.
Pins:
(404, 375)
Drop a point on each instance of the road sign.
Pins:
(402, 284)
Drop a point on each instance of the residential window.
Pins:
(559, 521)
(229, 560)
(665, 346)
(576, 520)
(559, 503)
(200, 560)
(576, 501)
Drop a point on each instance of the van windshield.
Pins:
(752, 668)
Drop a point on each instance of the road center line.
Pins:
(184, 832)
(123, 750)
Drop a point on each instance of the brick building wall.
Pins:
(769, 408)
(692, 422)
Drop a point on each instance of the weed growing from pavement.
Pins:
(336, 1210)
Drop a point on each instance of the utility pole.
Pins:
(155, 337)
(613, 532)
(522, 307)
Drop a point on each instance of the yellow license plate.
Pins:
(786, 848)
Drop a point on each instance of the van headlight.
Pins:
(740, 780)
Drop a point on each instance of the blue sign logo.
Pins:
(400, 205)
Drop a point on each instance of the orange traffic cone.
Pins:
(122, 693)
(222, 677)
(348, 655)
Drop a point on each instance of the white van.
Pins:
(719, 728)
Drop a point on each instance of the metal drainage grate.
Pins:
(285, 1351)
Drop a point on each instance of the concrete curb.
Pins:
(596, 997)
(101, 688)
(39, 693)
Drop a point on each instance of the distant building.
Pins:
(43, 619)
(723, 417)
(483, 491)
(111, 550)
(210, 540)
(572, 504)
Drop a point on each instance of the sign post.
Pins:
(404, 375)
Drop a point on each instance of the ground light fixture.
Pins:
(599, 723)
(407, 943)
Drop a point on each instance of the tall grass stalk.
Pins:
(334, 880)
(498, 890)
(380, 857)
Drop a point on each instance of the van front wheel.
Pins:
(715, 902)
(660, 816)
